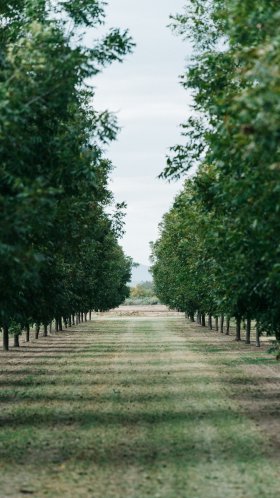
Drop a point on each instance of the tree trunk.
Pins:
(222, 324)
(248, 331)
(65, 322)
(198, 318)
(56, 325)
(238, 329)
(69, 321)
(37, 331)
(5, 338)
(45, 334)
(60, 324)
(50, 328)
(203, 323)
(228, 325)
(16, 340)
(192, 317)
(90, 316)
(27, 328)
(217, 324)
(85, 317)
(258, 342)
(210, 322)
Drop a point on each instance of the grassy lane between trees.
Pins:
(139, 407)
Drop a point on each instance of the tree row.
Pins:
(59, 226)
(219, 247)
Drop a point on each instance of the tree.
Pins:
(53, 173)
(232, 140)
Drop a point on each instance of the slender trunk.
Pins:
(228, 325)
(85, 317)
(65, 322)
(56, 325)
(198, 319)
(5, 338)
(69, 321)
(258, 342)
(203, 323)
(50, 328)
(238, 329)
(37, 331)
(82, 317)
(192, 317)
(45, 334)
(222, 324)
(210, 322)
(217, 324)
(248, 331)
(60, 324)
(77, 319)
(90, 315)
(27, 328)
(16, 341)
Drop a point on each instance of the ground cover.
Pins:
(139, 406)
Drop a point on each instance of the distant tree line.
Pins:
(219, 249)
(142, 294)
(59, 249)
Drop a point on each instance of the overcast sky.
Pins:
(150, 104)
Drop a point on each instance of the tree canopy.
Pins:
(58, 243)
(223, 233)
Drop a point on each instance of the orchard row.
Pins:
(219, 247)
(59, 226)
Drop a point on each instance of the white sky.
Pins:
(150, 104)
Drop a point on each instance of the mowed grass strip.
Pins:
(135, 408)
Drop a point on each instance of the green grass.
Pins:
(132, 408)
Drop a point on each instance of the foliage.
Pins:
(232, 138)
(142, 301)
(142, 294)
(58, 246)
(144, 289)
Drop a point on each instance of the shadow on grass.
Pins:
(177, 438)
(123, 397)
(107, 429)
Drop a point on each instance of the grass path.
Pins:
(136, 408)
